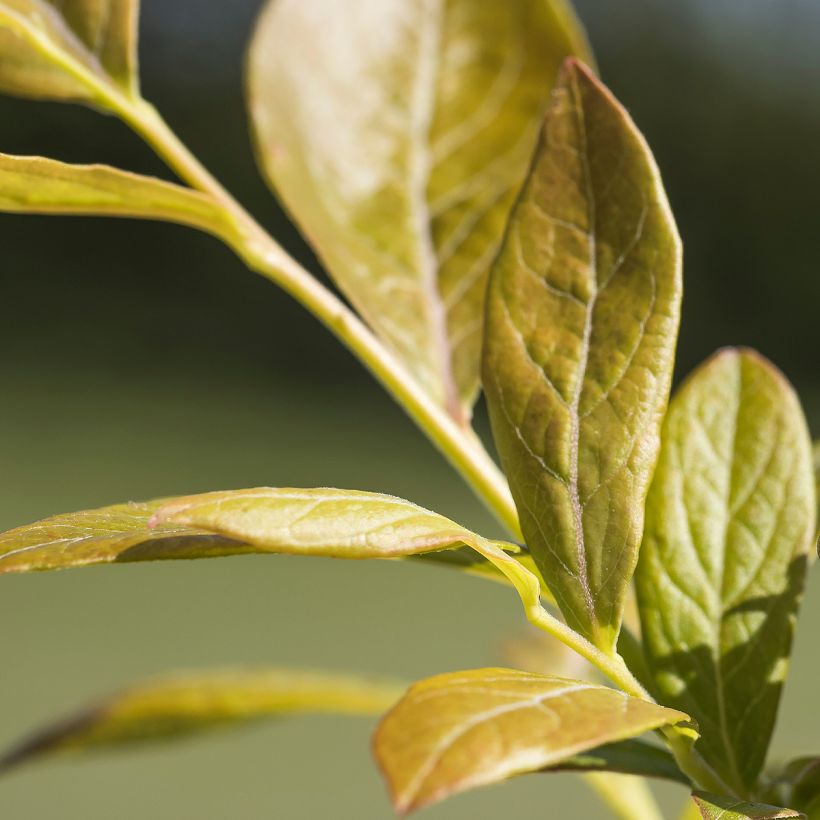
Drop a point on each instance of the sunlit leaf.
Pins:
(582, 316)
(730, 517)
(190, 702)
(397, 133)
(321, 522)
(457, 731)
(726, 808)
(68, 49)
(46, 186)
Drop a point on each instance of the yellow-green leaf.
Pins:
(730, 516)
(457, 731)
(582, 316)
(189, 702)
(322, 522)
(397, 133)
(68, 49)
(727, 808)
(46, 186)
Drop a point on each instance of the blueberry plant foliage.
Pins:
(493, 220)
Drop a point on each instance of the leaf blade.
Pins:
(729, 519)
(187, 703)
(460, 730)
(322, 522)
(382, 175)
(39, 185)
(582, 316)
(722, 808)
(68, 52)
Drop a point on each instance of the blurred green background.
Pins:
(139, 360)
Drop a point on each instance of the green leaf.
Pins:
(627, 757)
(78, 50)
(321, 522)
(796, 783)
(582, 316)
(730, 516)
(727, 808)
(457, 731)
(190, 702)
(46, 186)
(398, 137)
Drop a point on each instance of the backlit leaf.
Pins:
(189, 702)
(730, 517)
(321, 522)
(397, 133)
(726, 808)
(68, 49)
(582, 315)
(457, 731)
(46, 186)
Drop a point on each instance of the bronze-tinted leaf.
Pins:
(397, 133)
(582, 316)
(457, 731)
(727, 808)
(68, 49)
(190, 702)
(321, 522)
(730, 517)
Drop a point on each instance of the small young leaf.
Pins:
(46, 186)
(397, 134)
(322, 522)
(190, 702)
(726, 808)
(582, 315)
(457, 731)
(59, 50)
(730, 516)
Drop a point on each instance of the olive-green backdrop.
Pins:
(138, 360)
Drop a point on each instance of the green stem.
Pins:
(458, 443)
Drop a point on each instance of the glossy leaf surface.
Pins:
(68, 49)
(730, 517)
(190, 702)
(817, 484)
(723, 808)
(457, 731)
(582, 316)
(46, 186)
(322, 522)
(397, 133)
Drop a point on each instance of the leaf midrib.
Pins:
(420, 168)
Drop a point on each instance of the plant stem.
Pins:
(457, 442)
